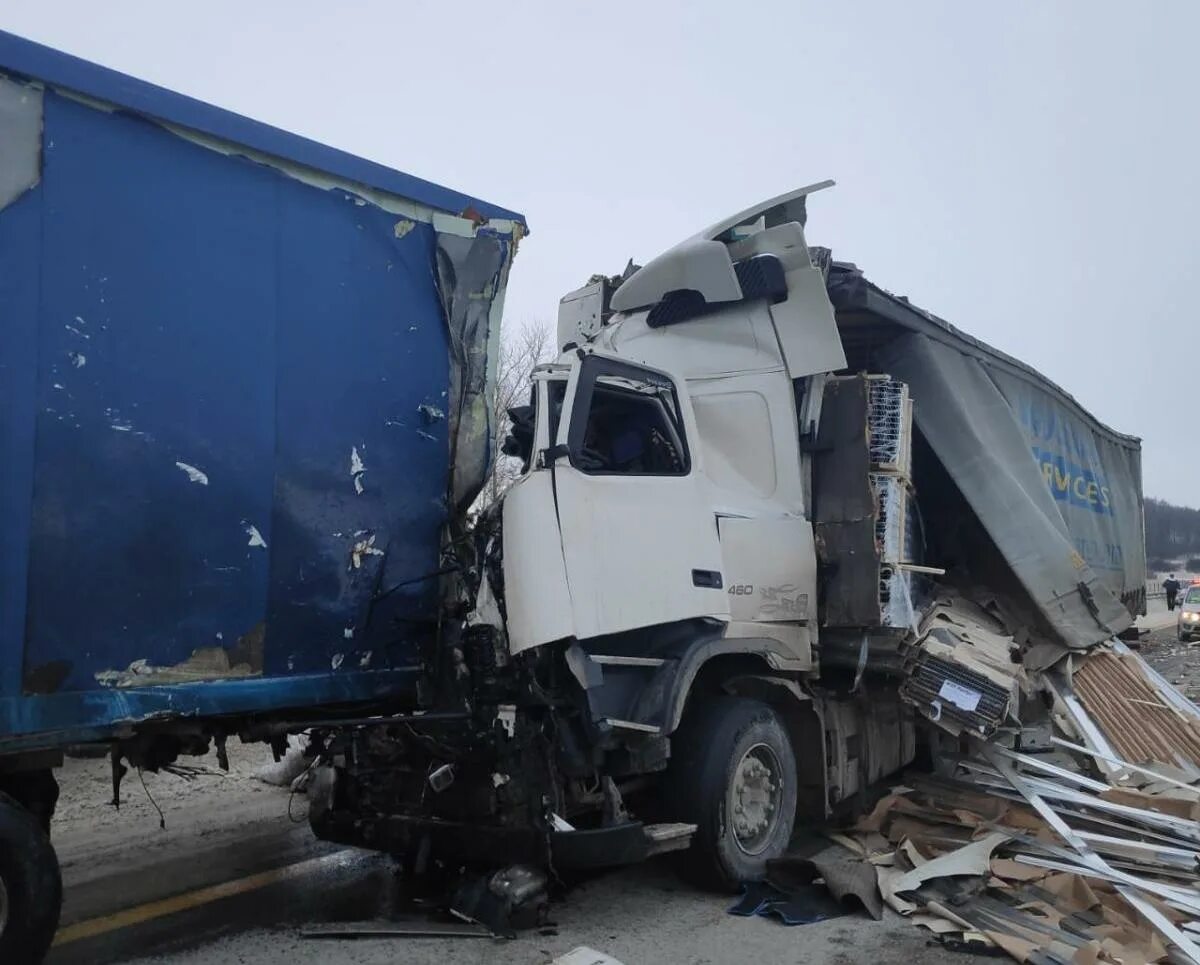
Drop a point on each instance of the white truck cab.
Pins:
(667, 456)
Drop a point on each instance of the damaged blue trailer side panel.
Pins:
(234, 366)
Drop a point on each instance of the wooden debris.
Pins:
(1043, 861)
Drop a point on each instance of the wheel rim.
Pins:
(3, 906)
(754, 798)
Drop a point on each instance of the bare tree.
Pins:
(521, 348)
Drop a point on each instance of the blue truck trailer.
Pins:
(242, 394)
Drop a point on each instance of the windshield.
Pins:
(1193, 595)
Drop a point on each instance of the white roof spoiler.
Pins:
(702, 263)
(753, 213)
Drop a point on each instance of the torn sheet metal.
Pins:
(205, 663)
(471, 273)
(20, 139)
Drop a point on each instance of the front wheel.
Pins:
(733, 775)
(30, 886)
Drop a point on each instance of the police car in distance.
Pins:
(1187, 626)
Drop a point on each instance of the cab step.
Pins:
(662, 838)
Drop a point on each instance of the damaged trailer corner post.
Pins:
(234, 446)
(751, 548)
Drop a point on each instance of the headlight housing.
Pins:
(1191, 617)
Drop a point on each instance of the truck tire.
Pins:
(30, 886)
(733, 775)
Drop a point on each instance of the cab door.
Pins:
(639, 538)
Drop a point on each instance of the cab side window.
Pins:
(518, 443)
(626, 421)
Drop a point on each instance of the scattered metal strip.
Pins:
(1124, 828)
(1079, 748)
(1175, 857)
(1060, 772)
(1181, 876)
(991, 915)
(632, 725)
(1175, 897)
(616, 660)
(1055, 852)
(1188, 830)
(394, 929)
(1088, 727)
(1084, 726)
(1161, 923)
(1164, 925)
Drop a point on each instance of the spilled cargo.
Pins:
(775, 530)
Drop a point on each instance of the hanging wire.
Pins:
(162, 821)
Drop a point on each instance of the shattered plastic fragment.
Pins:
(364, 547)
(194, 475)
(583, 955)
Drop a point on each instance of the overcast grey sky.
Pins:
(1027, 170)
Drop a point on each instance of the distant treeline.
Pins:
(1172, 533)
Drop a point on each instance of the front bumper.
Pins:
(489, 844)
